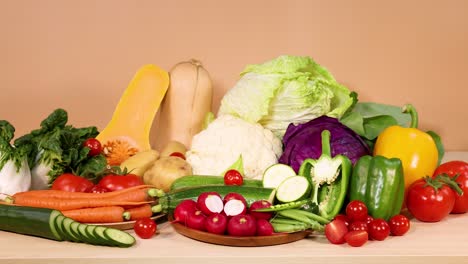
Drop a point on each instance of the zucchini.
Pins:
(276, 174)
(52, 224)
(251, 194)
(201, 180)
(293, 189)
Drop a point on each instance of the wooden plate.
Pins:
(124, 225)
(251, 241)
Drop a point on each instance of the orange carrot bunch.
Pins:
(127, 204)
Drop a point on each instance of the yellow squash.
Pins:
(415, 148)
(128, 132)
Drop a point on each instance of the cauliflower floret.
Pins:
(217, 147)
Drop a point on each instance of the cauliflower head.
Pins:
(217, 147)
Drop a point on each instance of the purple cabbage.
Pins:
(303, 141)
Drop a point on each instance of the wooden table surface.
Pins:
(442, 242)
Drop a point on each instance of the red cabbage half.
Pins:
(304, 141)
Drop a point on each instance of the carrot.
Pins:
(138, 212)
(70, 204)
(80, 195)
(105, 214)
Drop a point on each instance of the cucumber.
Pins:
(276, 174)
(32, 221)
(293, 189)
(201, 180)
(251, 194)
(52, 224)
(66, 225)
(119, 238)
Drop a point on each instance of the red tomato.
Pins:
(335, 231)
(399, 225)
(114, 182)
(460, 168)
(356, 211)
(94, 146)
(233, 177)
(369, 219)
(343, 218)
(378, 229)
(72, 183)
(356, 238)
(430, 200)
(98, 189)
(145, 227)
(358, 226)
(178, 154)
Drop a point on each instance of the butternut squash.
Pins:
(188, 100)
(128, 132)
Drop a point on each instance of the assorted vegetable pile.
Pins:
(291, 149)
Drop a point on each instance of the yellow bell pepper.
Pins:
(416, 149)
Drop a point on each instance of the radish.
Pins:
(259, 205)
(264, 228)
(196, 220)
(235, 196)
(183, 210)
(216, 223)
(210, 203)
(242, 225)
(235, 207)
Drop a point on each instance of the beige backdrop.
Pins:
(80, 55)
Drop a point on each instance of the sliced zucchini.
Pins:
(293, 189)
(276, 174)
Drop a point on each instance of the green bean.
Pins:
(302, 218)
(315, 217)
(283, 206)
(288, 228)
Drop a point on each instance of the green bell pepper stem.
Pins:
(329, 178)
(409, 109)
(326, 151)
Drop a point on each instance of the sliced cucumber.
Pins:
(53, 224)
(61, 229)
(85, 236)
(74, 228)
(276, 174)
(119, 238)
(99, 234)
(293, 189)
(66, 225)
(90, 230)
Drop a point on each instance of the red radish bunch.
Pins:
(229, 215)
(357, 227)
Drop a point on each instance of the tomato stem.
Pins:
(450, 182)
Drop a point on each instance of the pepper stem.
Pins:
(409, 109)
(326, 143)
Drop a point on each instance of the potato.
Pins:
(173, 146)
(140, 162)
(165, 171)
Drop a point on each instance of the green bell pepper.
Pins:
(379, 183)
(329, 178)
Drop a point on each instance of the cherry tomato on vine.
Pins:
(343, 217)
(460, 168)
(145, 227)
(378, 229)
(178, 154)
(94, 146)
(233, 177)
(356, 211)
(399, 225)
